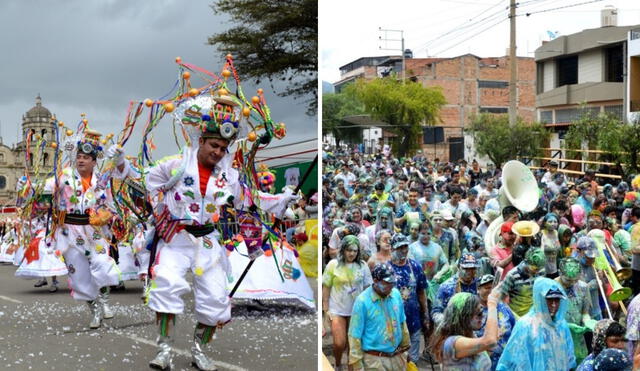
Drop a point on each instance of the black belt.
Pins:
(383, 354)
(76, 219)
(199, 230)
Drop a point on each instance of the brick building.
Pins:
(472, 85)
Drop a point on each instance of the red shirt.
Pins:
(500, 253)
(204, 174)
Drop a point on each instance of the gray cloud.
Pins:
(94, 57)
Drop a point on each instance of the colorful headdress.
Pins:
(216, 116)
(90, 143)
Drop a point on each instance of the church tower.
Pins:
(38, 120)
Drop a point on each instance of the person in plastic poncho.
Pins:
(541, 339)
(189, 190)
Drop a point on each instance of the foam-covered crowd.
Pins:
(478, 267)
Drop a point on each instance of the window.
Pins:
(1, 157)
(493, 84)
(616, 111)
(567, 70)
(567, 115)
(546, 117)
(539, 77)
(3, 182)
(613, 64)
(44, 159)
(494, 109)
(574, 114)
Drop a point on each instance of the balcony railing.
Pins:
(635, 105)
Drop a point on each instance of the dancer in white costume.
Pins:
(82, 235)
(39, 260)
(194, 186)
(9, 244)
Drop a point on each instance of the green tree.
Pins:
(274, 39)
(587, 131)
(607, 133)
(406, 107)
(335, 107)
(494, 138)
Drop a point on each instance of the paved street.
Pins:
(44, 331)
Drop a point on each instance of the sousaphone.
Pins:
(520, 190)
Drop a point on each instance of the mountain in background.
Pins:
(327, 87)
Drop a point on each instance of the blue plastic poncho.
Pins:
(537, 342)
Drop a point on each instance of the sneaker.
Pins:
(41, 282)
(54, 286)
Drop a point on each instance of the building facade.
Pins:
(472, 85)
(38, 121)
(584, 73)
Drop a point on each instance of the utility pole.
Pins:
(385, 39)
(513, 64)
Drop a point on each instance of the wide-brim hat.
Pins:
(525, 228)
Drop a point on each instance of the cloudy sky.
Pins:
(94, 57)
(447, 28)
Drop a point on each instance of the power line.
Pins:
(472, 36)
(464, 2)
(461, 26)
(469, 29)
(560, 7)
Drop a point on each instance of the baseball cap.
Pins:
(506, 227)
(612, 359)
(535, 257)
(383, 272)
(487, 278)
(399, 240)
(446, 214)
(555, 293)
(468, 261)
(490, 215)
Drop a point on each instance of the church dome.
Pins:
(38, 110)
